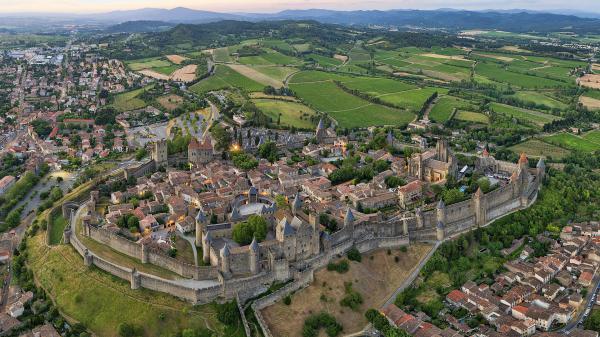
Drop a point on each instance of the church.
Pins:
(435, 164)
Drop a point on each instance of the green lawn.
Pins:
(292, 113)
(56, 228)
(101, 302)
(573, 142)
(538, 148)
(535, 117)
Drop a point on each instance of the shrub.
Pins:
(287, 300)
(228, 313)
(354, 255)
(341, 267)
(315, 322)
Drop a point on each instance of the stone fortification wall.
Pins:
(157, 258)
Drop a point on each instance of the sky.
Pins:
(91, 6)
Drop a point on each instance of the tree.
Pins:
(141, 153)
(222, 137)
(244, 161)
(133, 221)
(268, 151)
(129, 330)
(255, 226)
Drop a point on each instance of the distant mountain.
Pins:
(178, 15)
(448, 19)
(140, 27)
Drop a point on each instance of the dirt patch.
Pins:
(590, 81)
(154, 74)
(595, 67)
(185, 74)
(590, 103)
(374, 278)
(515, 49)
(446, 57)
(170, 102)
(177, 59)
(340, 57)
(256, 75)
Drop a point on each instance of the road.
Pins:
(413, 275)
(590, 300)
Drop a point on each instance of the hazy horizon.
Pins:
(266, 6)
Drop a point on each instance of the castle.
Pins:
(433, 165)
(297, 242)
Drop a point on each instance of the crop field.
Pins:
(376, 86)
(573, 142)
(222, 55)
(540, 99)
(590, 103)
(495, 72)
(535, 117)
(538, 148)
(292, 113)
(168, 70)
(442, 110)
(129, 100)
(473, 117)
(412, 99)
(269, 57)
(349, 111)
(323, 61)
(277, 73)
(156, 62)
(593, 136)
(442, 63)
(226, 77)
(255, 74)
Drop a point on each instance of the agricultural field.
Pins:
(442, 110)
(323, 61)
(539, 98)
(222, 55)
(150, 63)
(496, 72)
(538, 148)
(225, 77)
(473, 117)
(412, 99)
(386, 272)
(292, 113)
(593, 136)
(129, 100)
(269, 57)
(529, 116)
(348, 110)
(446, 64)
(574, 142)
